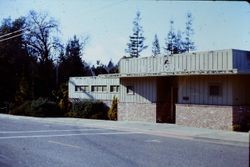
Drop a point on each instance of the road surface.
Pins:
(30, 143)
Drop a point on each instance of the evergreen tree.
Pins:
(13, 58)
(70, 63)
(110, 65)
(156, 46)
(112, 68)
(136, 45)
(179, 43)
(170, 40)
(189, 31)
(174, 42)
(100, 68)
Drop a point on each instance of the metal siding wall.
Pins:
(196, 88)
(92, 81)
(241, 62)
(220, 61)
(224, 55)
(145, 90)
(230, 60)
(212, 60)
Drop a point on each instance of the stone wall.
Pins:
(205, 116)
(137, 112)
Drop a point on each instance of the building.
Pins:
(202, 89)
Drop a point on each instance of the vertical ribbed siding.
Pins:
(212, 60)
(196, 88)
(93, 81)
(144, 90)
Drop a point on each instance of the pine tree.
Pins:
(179, 43)
(136, 45)
(170, 40)
(156, 46)
(188, 43)
(174, 42)
(71, 63)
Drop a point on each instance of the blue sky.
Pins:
(217, 25)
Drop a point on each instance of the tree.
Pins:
(174, 42)
(39, 38)
(188, 43)
(179, 43)
(136, 45)
(13, 58)
(71, 63)
(156, 46)
(100, 68)
(112, 68)
(41, 44)
(22, 93)
(112, 112)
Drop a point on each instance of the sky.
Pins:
(108, 23)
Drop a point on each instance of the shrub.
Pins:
(41, 107)
(112, 113)
(23, 109)
(88, 109)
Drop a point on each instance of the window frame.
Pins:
(215, 89)
(99, 88)
(114, 88)
(81, 88)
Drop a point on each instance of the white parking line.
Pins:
(68, 135)
(64, 144)
(41, 131)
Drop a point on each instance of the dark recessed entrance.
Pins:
(167, 95)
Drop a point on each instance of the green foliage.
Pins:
(22, 91)
(156, 46)
(71, 63)
(41, 107)
(136, 45)
(44, 108)
(188, 43)
(175, 43)
(88, 109)
(112, 113)
(12, 59)
(23, 109)
(61, 97)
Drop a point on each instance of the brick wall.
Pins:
(137, 112)
(205, 116)
(241, 118)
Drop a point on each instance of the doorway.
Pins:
(167, 96)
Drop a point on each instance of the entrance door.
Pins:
(166, 99)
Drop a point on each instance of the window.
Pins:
(93, 88)
(130, 90)
(98, 88)
(215, 90)
(81, 88)
(114, 88)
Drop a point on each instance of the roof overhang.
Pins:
(181, 73)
